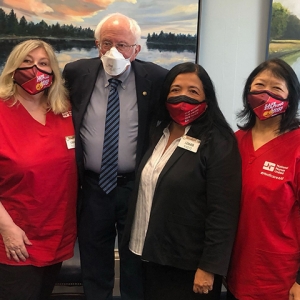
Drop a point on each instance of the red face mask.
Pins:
(33, 80)
(184, 110)
(266, 104)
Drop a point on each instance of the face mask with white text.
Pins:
(32, 79)
(266, 105)
(184, 110)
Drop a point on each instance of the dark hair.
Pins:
(282, 70)
(212, 116)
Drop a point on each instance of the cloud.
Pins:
(59, 10)
(178, 18)
(33, 6)
(151, 15)
(184, 9)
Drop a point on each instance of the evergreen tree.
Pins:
(12, 23)
(42, 29)
(3, 26)
(55, 30)
(31, 28)
(23, 30)
(171, 38)
(9, 25)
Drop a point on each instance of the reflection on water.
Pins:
(173, 48)
(294, 61)
(167, 57)
(67, 51)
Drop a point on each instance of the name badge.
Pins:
(189, 143)
(67, 114)
(70, 140)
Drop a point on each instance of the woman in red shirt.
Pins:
(38, 177)
(266, 256)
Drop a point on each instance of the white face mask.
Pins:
(114, 63)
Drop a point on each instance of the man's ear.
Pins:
(136, 51)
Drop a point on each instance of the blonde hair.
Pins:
(57, 94)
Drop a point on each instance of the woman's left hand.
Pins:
(295, 292)
(203, 282)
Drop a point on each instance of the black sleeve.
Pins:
(223, 174)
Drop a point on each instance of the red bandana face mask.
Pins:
(33, 80)
(184, 110)
(266, 104)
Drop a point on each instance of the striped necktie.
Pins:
(109, 165)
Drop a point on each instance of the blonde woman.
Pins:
(38, 178)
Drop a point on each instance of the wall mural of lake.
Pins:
(169, 32)
(285, 32)
(67, 51)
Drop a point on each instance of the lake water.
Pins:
(70, 51)
(67, 51)
(294, 61)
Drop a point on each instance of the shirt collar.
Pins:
(123, 77)
(166, 131)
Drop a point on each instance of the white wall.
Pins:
(233, 41)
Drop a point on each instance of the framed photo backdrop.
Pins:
(169, 28)
(284, 34)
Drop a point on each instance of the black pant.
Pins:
(27, 282)
(169, 283)
(102, 217)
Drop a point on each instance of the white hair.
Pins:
(133, 26)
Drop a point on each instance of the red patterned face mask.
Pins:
(266, 104)
(184, 110)
(33, 80)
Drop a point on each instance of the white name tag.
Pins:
(67, 114)
(70, 140)
(189, 143)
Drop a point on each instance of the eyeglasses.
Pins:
(121, 47)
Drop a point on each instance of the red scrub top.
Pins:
(266, 258)
(38, 182)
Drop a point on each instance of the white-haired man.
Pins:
(103, 210)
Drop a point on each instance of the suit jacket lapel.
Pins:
(89, 78)
(176, 155)
(143, 93)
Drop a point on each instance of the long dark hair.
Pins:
(213, 117)
(282, 70)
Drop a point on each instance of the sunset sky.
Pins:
(175, 16)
